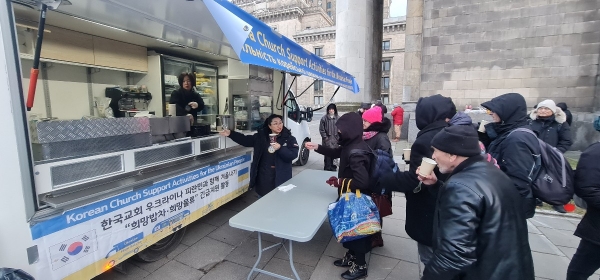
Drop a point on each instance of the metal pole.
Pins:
(35, 70)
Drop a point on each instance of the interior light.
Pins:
(119, 29)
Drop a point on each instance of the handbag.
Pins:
(382, 201)
(353, 215)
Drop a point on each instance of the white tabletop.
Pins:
(296, 214)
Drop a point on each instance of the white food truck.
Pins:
(97, 168)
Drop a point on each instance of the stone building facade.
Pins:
(311, 23)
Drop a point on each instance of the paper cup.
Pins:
(406, 153)
(427, 166)
(273, 137)
(482, 126)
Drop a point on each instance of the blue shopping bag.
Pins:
(353, 216)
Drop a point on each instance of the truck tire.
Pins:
(303, 155)
(161, 248)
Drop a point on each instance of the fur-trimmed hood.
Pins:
(559, 116)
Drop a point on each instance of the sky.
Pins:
(398, 8)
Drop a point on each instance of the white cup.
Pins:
(406, 153)
(427, 166)
(482, 126)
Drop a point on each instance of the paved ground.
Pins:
(212, 249)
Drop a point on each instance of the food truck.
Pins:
(96, 166)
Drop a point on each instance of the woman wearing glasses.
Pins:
(274, 151)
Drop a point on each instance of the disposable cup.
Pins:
(273, 137)
(482, 126)
(406, 153)
(427, 166)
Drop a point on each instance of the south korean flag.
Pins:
(73, 249)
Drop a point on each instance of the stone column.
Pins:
(354, 47)
(412, 50)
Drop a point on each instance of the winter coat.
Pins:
(553, 130)
(563, 106)
(430, 114)
(327, 128)
(398, 115)
(380, 140)
(181, 98)
(283, 157)
(587, 186)
(353, 166)
(479, 231)
(515, 153)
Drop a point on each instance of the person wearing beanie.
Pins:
(476, 200)
(375, 134)
(514, 153)
(398, 116)
(329, 135)
(432, 115)
(563, 106)
(549, 122)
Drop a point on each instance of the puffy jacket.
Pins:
(479, 231)
(515, 153)
(283, 157)
(587, 186)
(398, 115)
(553, 130)
(430, 114)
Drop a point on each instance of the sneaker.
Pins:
(346, 261)
(355, 272)
(559, 209)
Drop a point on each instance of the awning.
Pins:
(256, 43)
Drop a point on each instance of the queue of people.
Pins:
(479, 190)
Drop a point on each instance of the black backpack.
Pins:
(381, 163)
(551, 176)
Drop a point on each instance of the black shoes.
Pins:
(559, 208)
(346, 261)
(355, 272)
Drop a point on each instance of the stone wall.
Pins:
(474, 50)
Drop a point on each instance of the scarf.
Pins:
(369, 134)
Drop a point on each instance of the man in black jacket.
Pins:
(432, 115)
(587, 186)
(479, 228)
(514, 153)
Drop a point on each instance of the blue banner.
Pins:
(256, 43)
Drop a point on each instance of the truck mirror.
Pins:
(309, 114)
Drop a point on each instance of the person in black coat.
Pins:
(271, 162)
(353, 167)
(329, 135)
(432, 115)
(479, 228)
(548, 121)
(186, 100)
(563, 106)
(514, 153)
(587, 186)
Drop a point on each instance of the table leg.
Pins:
(292, 261)
(260, 250)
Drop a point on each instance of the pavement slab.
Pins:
(205, 254)
(174, 270)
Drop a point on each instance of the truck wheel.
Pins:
(161, 248)
(303, 157)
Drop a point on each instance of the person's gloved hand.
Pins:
(334, 182)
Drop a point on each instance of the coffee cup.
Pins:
(406, 153)
(427, 166)
(482, 126)
(273, 137)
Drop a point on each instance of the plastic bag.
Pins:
(14, 274)
(353, 216)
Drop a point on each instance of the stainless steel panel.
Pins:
(69, 130)
(159, 126)
(209, 144)
(163, 154)
(85, 170)
(179, 124)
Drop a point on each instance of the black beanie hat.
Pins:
(460, 140)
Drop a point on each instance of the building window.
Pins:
(318, 100)
(318, 85)
(308, 27)
(386, 45)
(319, 51)
(385, 65)
(274, 28)
(328, 5)
(385, 99)
(385, 83)
(329, 13)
